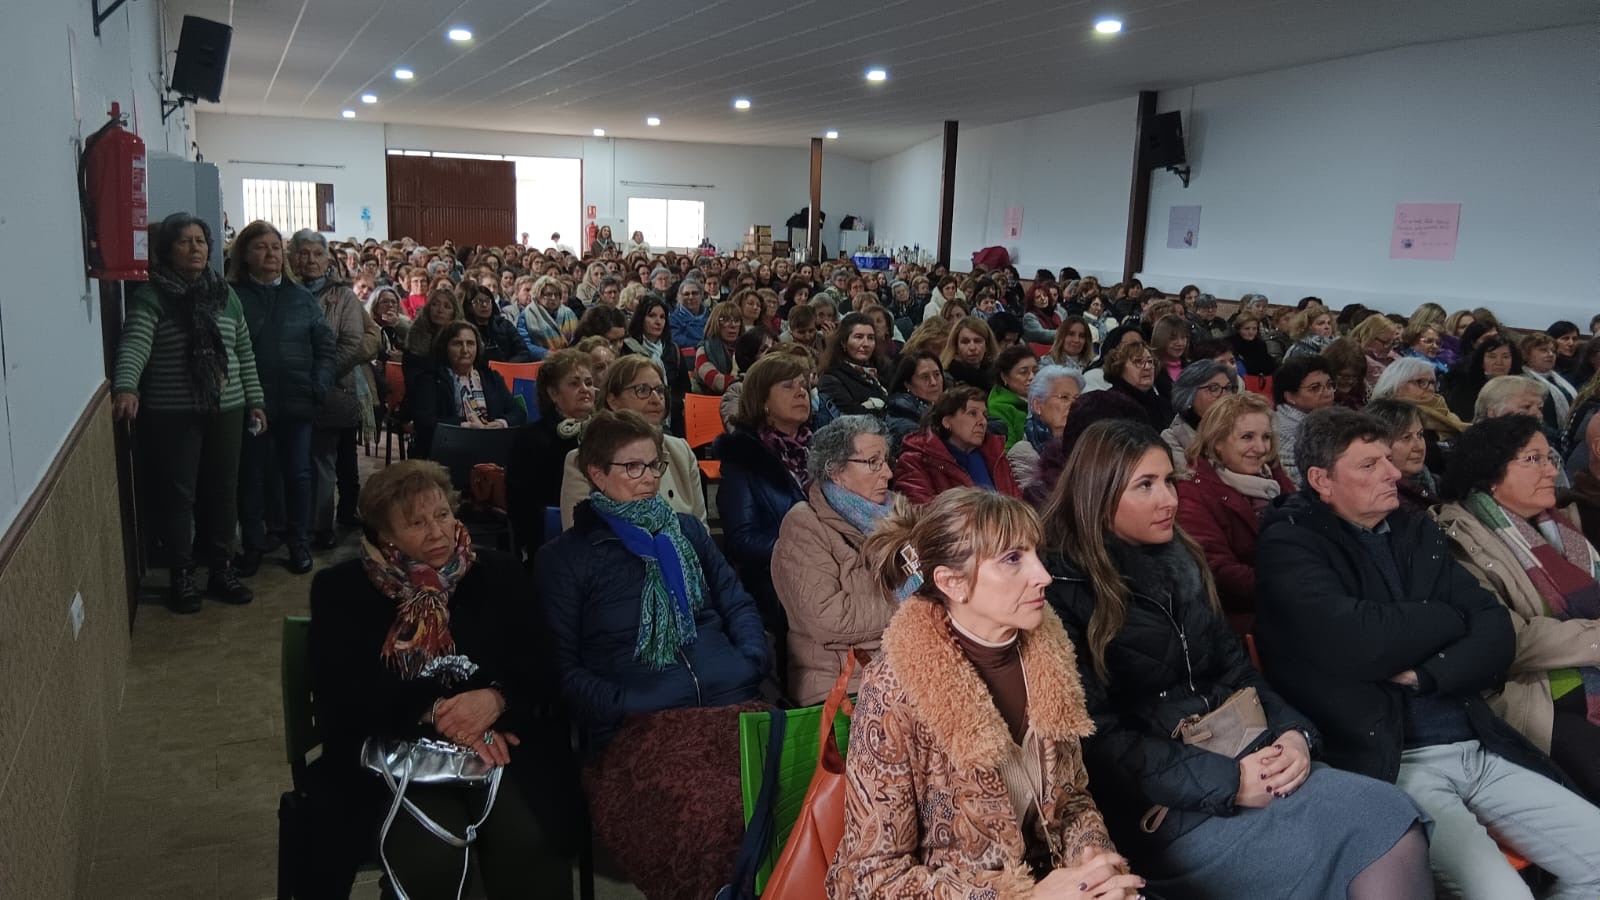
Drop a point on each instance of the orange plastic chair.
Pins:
(395, 377)
(1260, 385)
(1516, 861)
(512, 371)
(1250, 647)
(702, 422)
(1039, 349)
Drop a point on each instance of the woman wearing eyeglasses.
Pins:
(1505, 526)
(1199, 385)
(658, 649)
(833, 602)
(1131, 370)
(635, 383)
(1302, 385)
(1414, 380)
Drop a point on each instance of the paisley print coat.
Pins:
(926, 812)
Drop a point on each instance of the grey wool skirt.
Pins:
(1307, 846)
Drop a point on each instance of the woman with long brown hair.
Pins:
(1141, 606)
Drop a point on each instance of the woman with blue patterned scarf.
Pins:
(659, 649)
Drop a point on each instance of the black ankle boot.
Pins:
(183, 593)
(224, 585)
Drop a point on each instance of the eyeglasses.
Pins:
(636, 470)
(643, 391)
(1213, 390)
(555, 294)
(727, 320)
(1142, 363)
(1424, 384)
(1538, 459)
(875, 464)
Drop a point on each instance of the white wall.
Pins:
(751, 185)
(1068, 171)
(1298, 173)
(49, 313)
(347, 155)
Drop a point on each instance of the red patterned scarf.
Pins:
(421, 593)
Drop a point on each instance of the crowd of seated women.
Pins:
(1052, 515)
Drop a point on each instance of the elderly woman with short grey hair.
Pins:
(1050, 399)
(346, 407)
(834, 605)
(1200, 384)
(1415, 380)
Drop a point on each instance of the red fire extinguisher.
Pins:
(114, 196)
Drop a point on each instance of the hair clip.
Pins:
(910, 563)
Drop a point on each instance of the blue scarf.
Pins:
(1036, 432)
(974, 463)
(674, 583)
(864, 516)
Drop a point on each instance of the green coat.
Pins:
(153, 357)
(1010, 409)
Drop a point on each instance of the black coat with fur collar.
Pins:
(1174, 657)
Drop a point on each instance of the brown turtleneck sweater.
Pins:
(1000, 669)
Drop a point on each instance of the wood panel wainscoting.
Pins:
(62, 689)
(465, 201)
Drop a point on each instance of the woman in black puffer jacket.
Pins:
(294, 350)
(1154, 649)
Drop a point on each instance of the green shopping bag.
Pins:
(802, 739)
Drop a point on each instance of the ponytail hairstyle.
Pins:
(1080, 513)
(957, 530)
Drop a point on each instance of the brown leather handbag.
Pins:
(1228, 730)
(801, 872)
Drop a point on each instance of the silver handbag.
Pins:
(427, 761)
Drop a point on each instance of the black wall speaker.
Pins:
(202, 59)
(1163, 141)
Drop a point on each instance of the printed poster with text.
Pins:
(1013, 221)
(1424, 231)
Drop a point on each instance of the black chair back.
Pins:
(459, 449)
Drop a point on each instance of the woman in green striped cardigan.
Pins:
(186, 374)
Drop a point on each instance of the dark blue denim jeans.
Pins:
(282, 454)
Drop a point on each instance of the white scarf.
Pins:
(1561, 391)
(1256, 487)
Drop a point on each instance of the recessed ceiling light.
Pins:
(741, 103)
(404, 74)
(348, 114)
(599, 132)
(369, 98)
(1108, 26)
(832, 135)
(877, 75)
(652, 121)
(459, 34)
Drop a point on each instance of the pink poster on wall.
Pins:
(1013, 222)
(1424, 231)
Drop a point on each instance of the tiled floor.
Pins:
(191, 812)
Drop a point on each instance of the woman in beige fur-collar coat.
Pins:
(964, 776)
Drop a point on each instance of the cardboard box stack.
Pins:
(758, 240)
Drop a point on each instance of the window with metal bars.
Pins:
(289, 205)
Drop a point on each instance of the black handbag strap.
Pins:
(759, 832)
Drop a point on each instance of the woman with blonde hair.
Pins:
(1234, 476)
(589, 289)
(1140, 605)
(1377, 337)
(1312, 330)
(932, 336)
(638, 384)
(975, 701)
(969, 354)
(714, 365)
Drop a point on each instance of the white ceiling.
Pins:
(569, 66)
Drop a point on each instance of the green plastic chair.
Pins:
(801, 740)
(299, 709)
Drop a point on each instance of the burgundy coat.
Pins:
(1222, 521)
(925, 468)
